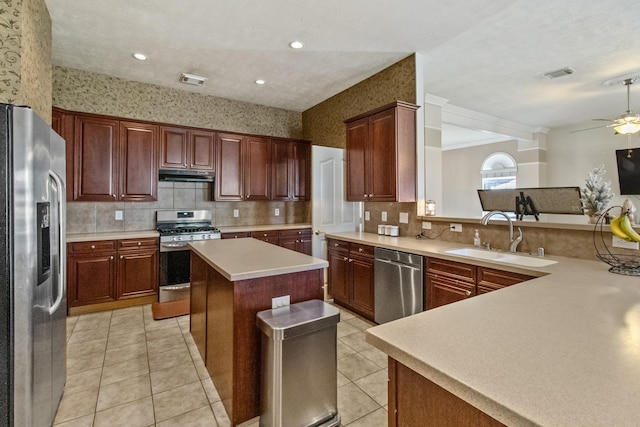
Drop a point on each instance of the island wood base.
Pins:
(223, 326)
(416, 401)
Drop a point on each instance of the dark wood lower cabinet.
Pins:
(351, 276)
(415, 401)
(452, 281)
(299, 240)
(108, 274)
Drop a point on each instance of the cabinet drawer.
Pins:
(298, 232)
(93, 246)
(453, 269)
(337, 245)
(358, 249)
(269, 234)
(138, 243)
(497, 279)
(239, 235)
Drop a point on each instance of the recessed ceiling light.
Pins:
(140, 56)
(296, 44)
(260, 82)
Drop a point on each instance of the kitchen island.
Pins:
(231, 281)
(562, 349)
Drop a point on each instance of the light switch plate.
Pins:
(236, 213)
(404, 218)
(277, 212)
(283, 301)
(384, 215)
(119, 216)
(367, 215)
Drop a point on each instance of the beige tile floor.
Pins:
(126, 369)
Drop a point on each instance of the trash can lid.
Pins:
(293, 316)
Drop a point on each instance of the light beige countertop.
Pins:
(559, 350)
(118, 235)
(248, 258)
(267, 227)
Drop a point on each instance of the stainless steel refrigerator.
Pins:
(32, 269)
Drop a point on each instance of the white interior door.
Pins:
(331, 212)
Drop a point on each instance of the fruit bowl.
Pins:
(621, 263)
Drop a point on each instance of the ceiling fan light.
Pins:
(627, 128)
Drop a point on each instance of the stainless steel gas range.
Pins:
(177, 228)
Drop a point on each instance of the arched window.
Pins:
(499, 172)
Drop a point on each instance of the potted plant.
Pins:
(597, 194)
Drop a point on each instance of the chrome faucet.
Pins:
(513, 242)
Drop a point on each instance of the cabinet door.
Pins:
(257, 169)
(138, 162)
(137, 273)
(442, 290)
(202, 145)
(381, 157)
(338, 276)
(280, 169)
(91, 278)
(62, 123)
(305, 245)
(357, 169)
(362, 285)
(174, 148)
(229, 167)
(300, 170)
(95, 164)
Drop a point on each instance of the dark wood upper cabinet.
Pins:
(257, 169)
(381, 154)
(229, 182)
(95, 159)
(202, 146)
(181, 148)
(174, 148)
(290, 168)
(138, 162)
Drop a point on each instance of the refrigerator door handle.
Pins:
(61, 247)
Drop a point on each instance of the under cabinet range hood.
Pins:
(185, 175)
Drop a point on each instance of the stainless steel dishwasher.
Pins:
(399, 287)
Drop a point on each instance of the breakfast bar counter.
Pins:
(562, 349)
(231, 281)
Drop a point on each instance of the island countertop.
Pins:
(562, 349)
(248, 258)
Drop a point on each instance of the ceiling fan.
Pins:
(625, 124)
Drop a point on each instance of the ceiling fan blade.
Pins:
(582, 130)
(603, 120)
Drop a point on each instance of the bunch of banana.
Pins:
(621, 227)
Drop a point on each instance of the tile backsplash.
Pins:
(99, 217)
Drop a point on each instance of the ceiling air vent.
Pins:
(559, 73)
(192, 79)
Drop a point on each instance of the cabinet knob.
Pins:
(345, 259)
(297, 241)
(265, 234)
(139, 243)
(360, 250)
(336, 245)
(121, 256)
(366, 196)
(93, 246)
(113, 195)
(468, 293)
(122, 195)
(111, 257)
(350, 260)
(299, 232)
(370, 195)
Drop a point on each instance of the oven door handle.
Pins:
(174, 245)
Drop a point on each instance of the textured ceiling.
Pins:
(483, 55)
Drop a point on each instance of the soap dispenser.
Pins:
(476, 239)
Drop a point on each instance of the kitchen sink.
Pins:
(503, 257)
(476, 253)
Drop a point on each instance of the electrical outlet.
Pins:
(456, 227)
(278, 302)
(236, 213)
(404, 218)
(619, 243)
(119, 216)
(367, 215)
(426, 225)
(384, 216)
(277, 212)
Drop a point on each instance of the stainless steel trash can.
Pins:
(299, 365)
